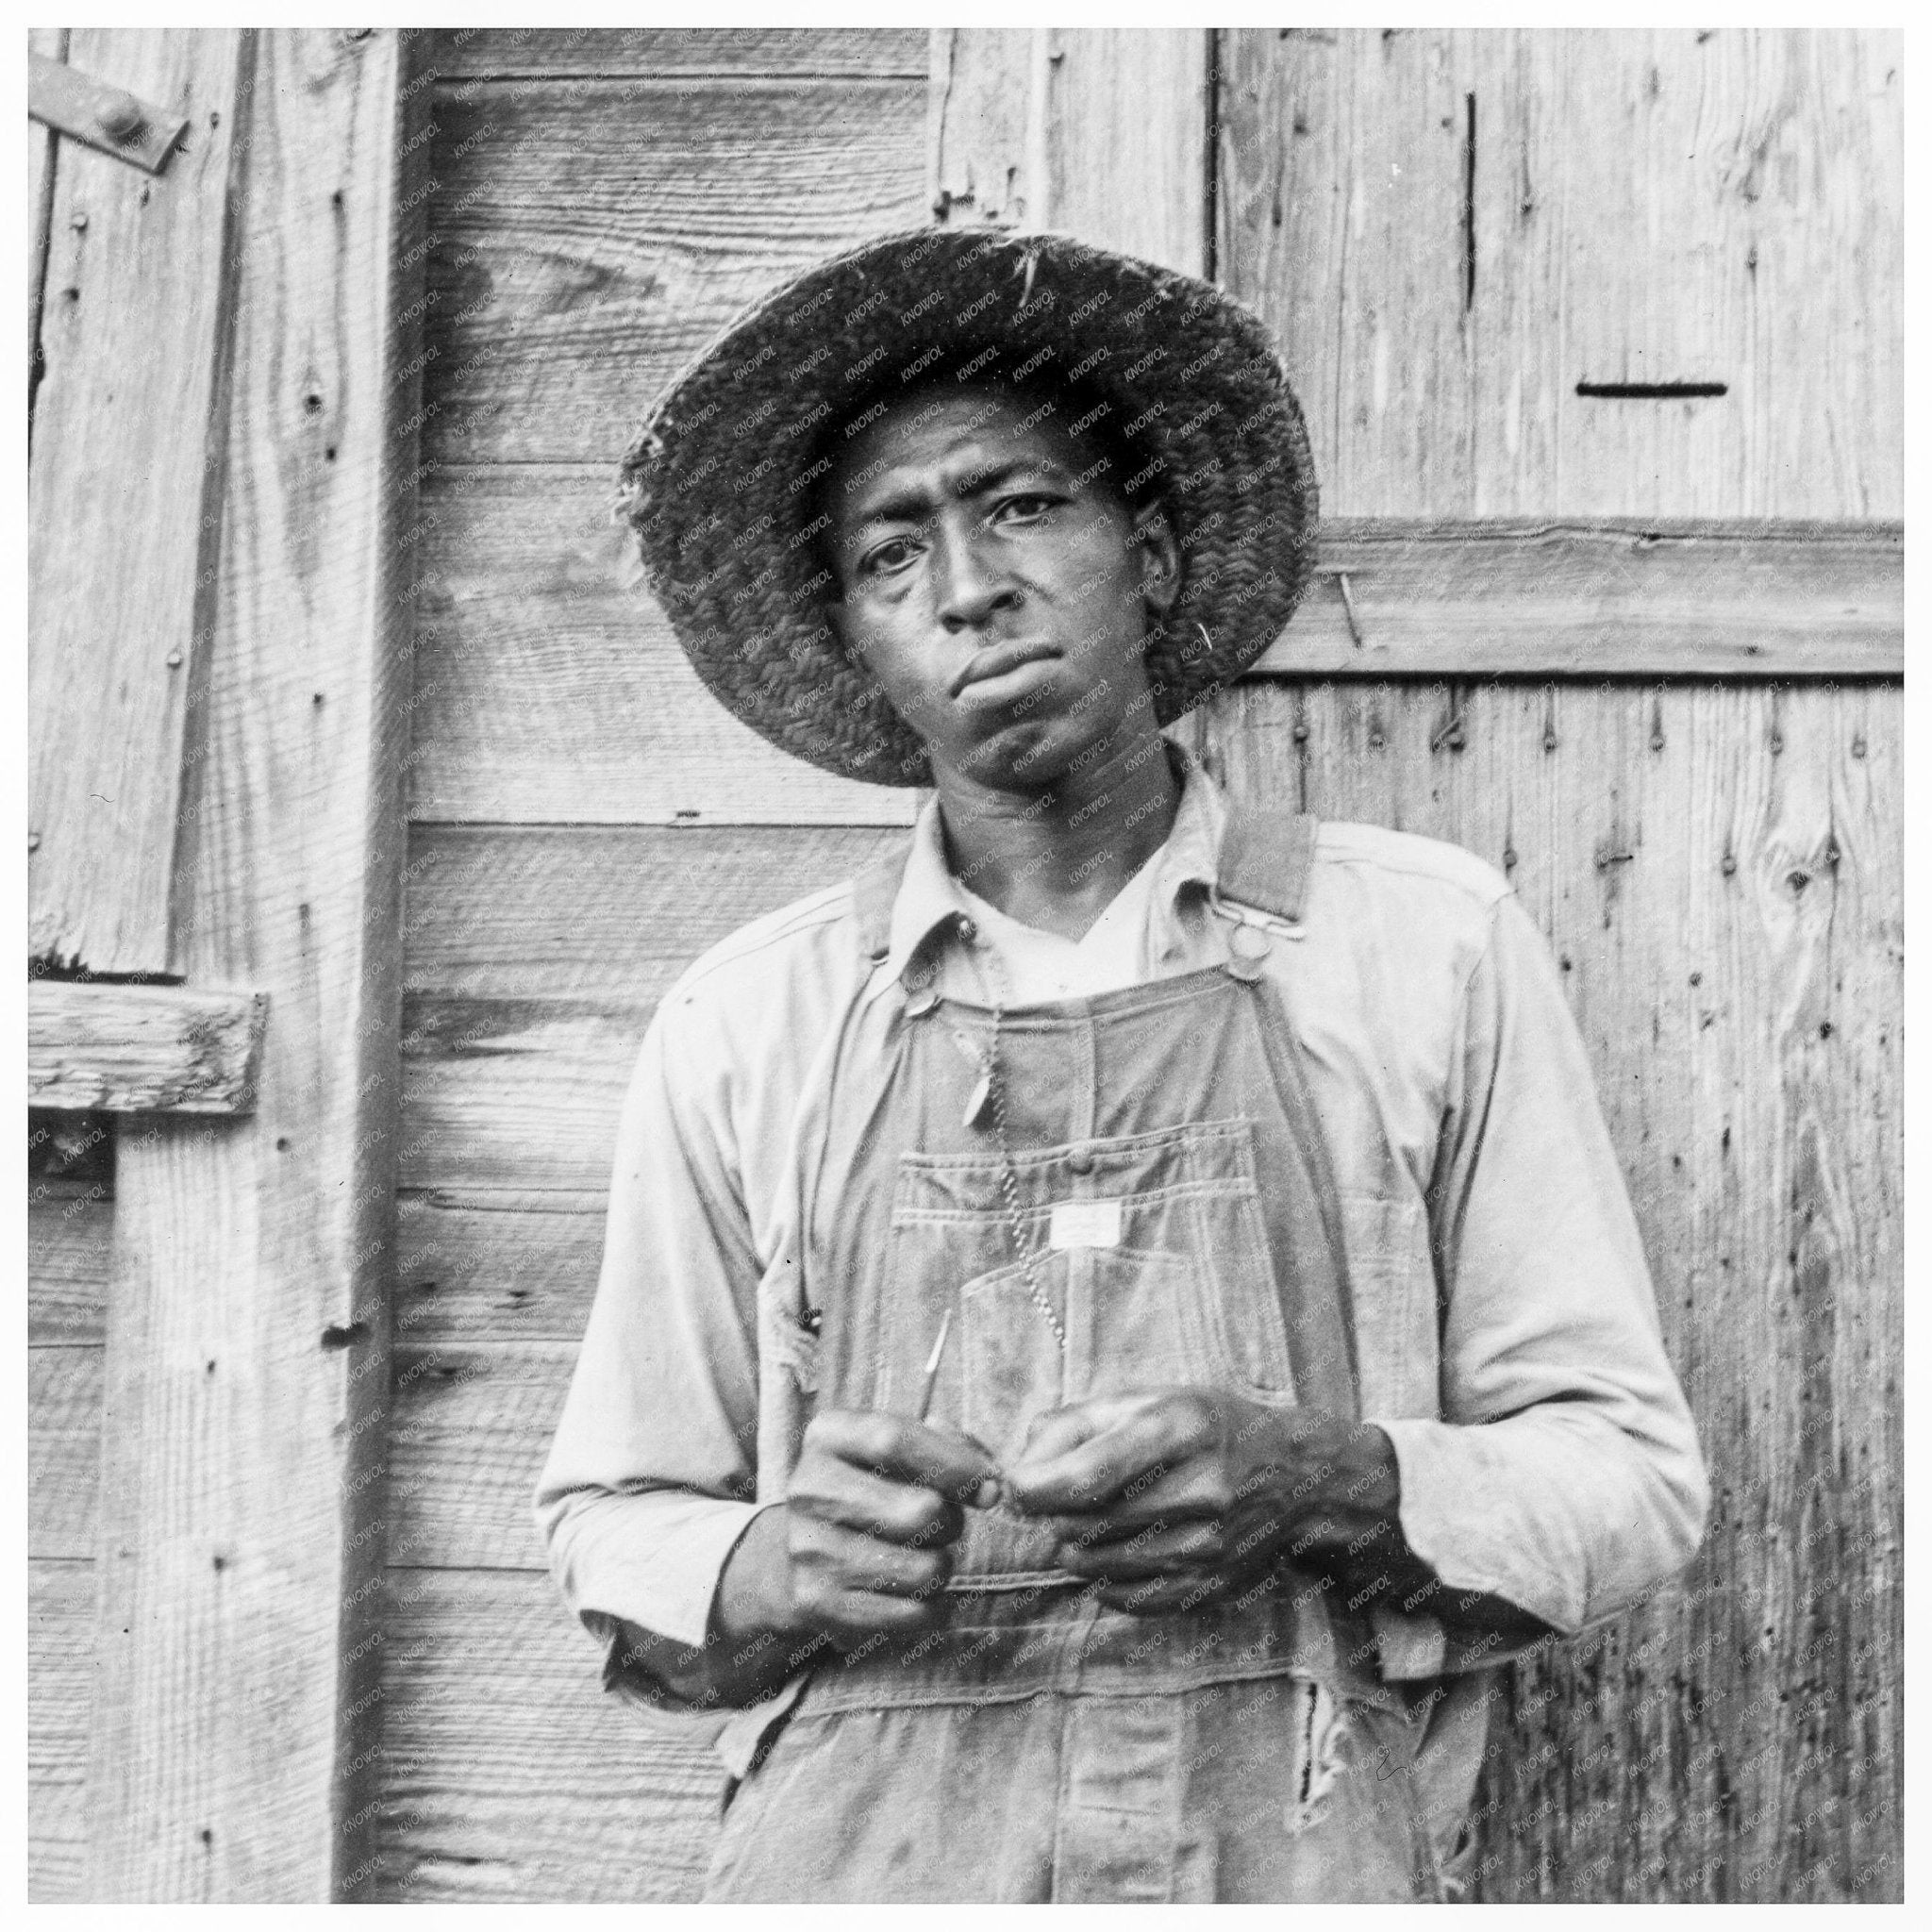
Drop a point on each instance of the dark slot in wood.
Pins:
(1651, 391)
(1469, 205)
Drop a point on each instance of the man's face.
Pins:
(1000, 601)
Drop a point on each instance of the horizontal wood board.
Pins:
(530, 951)
(471, 54)
(1541, 599)
(586, 242)
(1630, 206)
(64, 1435)
(70, 1235)
(550, 687)
(60, 1699)
(506, 1774)
(143, 1049)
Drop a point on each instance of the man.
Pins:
(1114, 1323)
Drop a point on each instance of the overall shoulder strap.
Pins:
(1265, 858)
(872, 893)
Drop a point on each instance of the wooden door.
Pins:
(1579, 280)
(1676, 730)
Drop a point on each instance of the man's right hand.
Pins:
(863, 1539)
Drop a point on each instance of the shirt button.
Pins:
(967, 930)
(1081, 1160)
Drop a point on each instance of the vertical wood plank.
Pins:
(1718, 871)
(50, 43)
(1340, 216)
(1723, 205)
(241, 1530)
(1450, 231)
(1096, 132)
(125, 492)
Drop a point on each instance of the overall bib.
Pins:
(1168, 1175)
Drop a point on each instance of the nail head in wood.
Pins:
(100, 115)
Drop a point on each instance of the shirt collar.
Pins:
(930, 896)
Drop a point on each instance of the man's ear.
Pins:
(1160, 560)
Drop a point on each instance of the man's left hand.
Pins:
(1175, 1496)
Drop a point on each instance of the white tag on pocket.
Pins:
(1085, 1224)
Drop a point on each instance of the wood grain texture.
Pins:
(1607, 600)
(123, 503)
(143, 1049)
(508, 1773)
(82, 107)
(1718, 871)
(1021, 119)
(494, 1265)
(69, 1261)
(550, 687)
(608, 912)
(63, 1412)
(59, 1696)
(587, 243)
(473, 1422)
(247, 1364)
(527, 1000)
(620, 53)
(1646, 207)
(49, 44)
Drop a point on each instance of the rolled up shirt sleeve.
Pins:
(1564, 1474)
(649, 1481)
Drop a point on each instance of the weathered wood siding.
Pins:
(70, 1232)
(1719, 872)
(585, 819)
(1449, 232)
(208, 1358)
(1717, 863)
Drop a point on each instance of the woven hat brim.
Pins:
(718, 482)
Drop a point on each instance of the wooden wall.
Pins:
(582, 821)
(70, 1240)
(1717, 864)
(220, 356)
(1451, 232)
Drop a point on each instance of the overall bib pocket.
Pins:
(1152, 1254)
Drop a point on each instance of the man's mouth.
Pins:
(997, 660)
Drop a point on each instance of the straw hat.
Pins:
(719, 483)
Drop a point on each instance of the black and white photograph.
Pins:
(965, 964)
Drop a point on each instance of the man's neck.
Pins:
(1056, 857)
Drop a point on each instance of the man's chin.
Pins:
(1025, 756)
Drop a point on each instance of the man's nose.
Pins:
(969, 582)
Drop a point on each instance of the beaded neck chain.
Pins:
(991, 1090)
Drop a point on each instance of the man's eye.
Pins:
(1025, 508)
(884, 559)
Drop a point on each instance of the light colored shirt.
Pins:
(1505, 1325)
(1037, 968)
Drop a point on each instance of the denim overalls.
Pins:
(1171, 1179)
